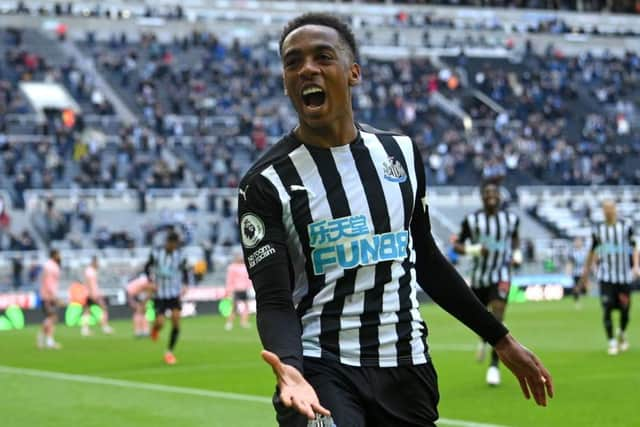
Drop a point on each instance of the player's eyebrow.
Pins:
(317, 47)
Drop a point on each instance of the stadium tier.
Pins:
(163, 110)
(126, 127)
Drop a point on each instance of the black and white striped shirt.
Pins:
(496, 233)
(614, 244)
(168, 271)
(343, 216)
(578, 257)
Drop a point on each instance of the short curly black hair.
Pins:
(487, 182)
(326, 20)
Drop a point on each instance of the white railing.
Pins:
(450, 195)
(128, 200)
(529, 196)
(36, 139)
(181, 199)
(67, 199)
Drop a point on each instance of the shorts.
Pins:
(91, 301)
(240, 296)
(163, 304)
(141, 297)
(577, 290)
(135, 300)
(49, 308)
(405, 396)
(495, 291)
(613, 295)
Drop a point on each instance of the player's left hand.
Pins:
(295, 391)
(532, 375)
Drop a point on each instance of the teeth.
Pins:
(310, 90)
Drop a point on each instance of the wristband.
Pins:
(473, 250)
(517, 256)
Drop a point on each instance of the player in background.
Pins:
(167, 268)
(139, 291)
(94, 296)
(575, 266)
(614, 247)
(50, 283)
(490, 236)
(237, 287)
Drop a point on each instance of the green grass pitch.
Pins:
(119, 381)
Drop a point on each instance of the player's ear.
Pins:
(354, 74)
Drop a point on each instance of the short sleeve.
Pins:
(262, 232)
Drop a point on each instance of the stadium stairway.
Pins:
(40, 44)
(87, 65)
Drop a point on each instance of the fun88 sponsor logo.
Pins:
(348, 242)
(612, 249)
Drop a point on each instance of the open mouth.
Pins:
(313, 96)
(492, 201)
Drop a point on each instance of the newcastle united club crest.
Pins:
(393, 171)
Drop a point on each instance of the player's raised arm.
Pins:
(448, 289)
(265, 253)
(461, 247)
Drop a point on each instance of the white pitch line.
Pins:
(86, 379)
(462, 423)
(133, 384)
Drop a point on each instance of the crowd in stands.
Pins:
(623, 6)
(544, 24)
(206, 110)
(243, 84)
(10, 238)
(177, 11)
(97, 10)
(567, 120)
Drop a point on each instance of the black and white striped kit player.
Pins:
(167, 268)
(495, 233)
(577, 258)
(167, 271)
(614, 243)
(351, 257)
(618, 258)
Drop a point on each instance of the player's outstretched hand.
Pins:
(294, 389)
(532, 375)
